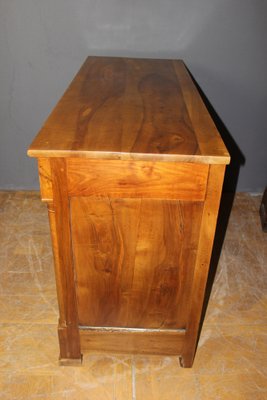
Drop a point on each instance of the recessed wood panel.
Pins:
(125, 179)
(134, 260)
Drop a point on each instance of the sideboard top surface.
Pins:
(131, 109)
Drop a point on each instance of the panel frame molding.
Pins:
(74, 338)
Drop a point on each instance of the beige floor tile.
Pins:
(3, 198)
(244, 219)
(39, 282)
(234, 386)
(240, 288)
(245, 309)
(227, 349)
(100, 377)
(36, 309)
(25, 387)
(28, 349)
(161, 378)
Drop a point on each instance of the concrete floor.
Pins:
(231, 360)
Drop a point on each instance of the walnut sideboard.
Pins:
(131, 167)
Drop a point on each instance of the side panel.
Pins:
(134, 260)
(130, 271)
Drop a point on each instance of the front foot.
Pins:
(186, 361)
(71, 362)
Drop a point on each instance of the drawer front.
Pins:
(137, 179)
(134, 260)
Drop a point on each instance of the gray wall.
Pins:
(43, 43)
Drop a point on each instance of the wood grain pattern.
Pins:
(132, 206)
(45, 179)
(134, 260)
(208, 138)
(57, 265)
(207, 231)
(60, 228)
(131, 109)
(167, 343)
(142, 179)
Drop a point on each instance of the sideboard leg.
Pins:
(207, 232)
(59, 214)
(186, 360)
(69, 342)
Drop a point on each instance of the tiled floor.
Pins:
(231, 361)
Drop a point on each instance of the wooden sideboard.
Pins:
(131, 167)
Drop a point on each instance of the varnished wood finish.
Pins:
(207, 231)
(45, 179)
(68, 324)
(131, 109)
(131, 167)
(134, 260)
(208, 138)
(136, 342)
(57, 265)
(142, 179)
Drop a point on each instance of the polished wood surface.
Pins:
(201, 269)
(45, 179)
(207, 136)
(134, 260)
(131, 167)
(140, 109)
(160, 341)
(142, 179)
(68, 321)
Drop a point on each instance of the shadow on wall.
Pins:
(228, 193)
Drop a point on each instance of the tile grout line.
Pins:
(133, 380)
